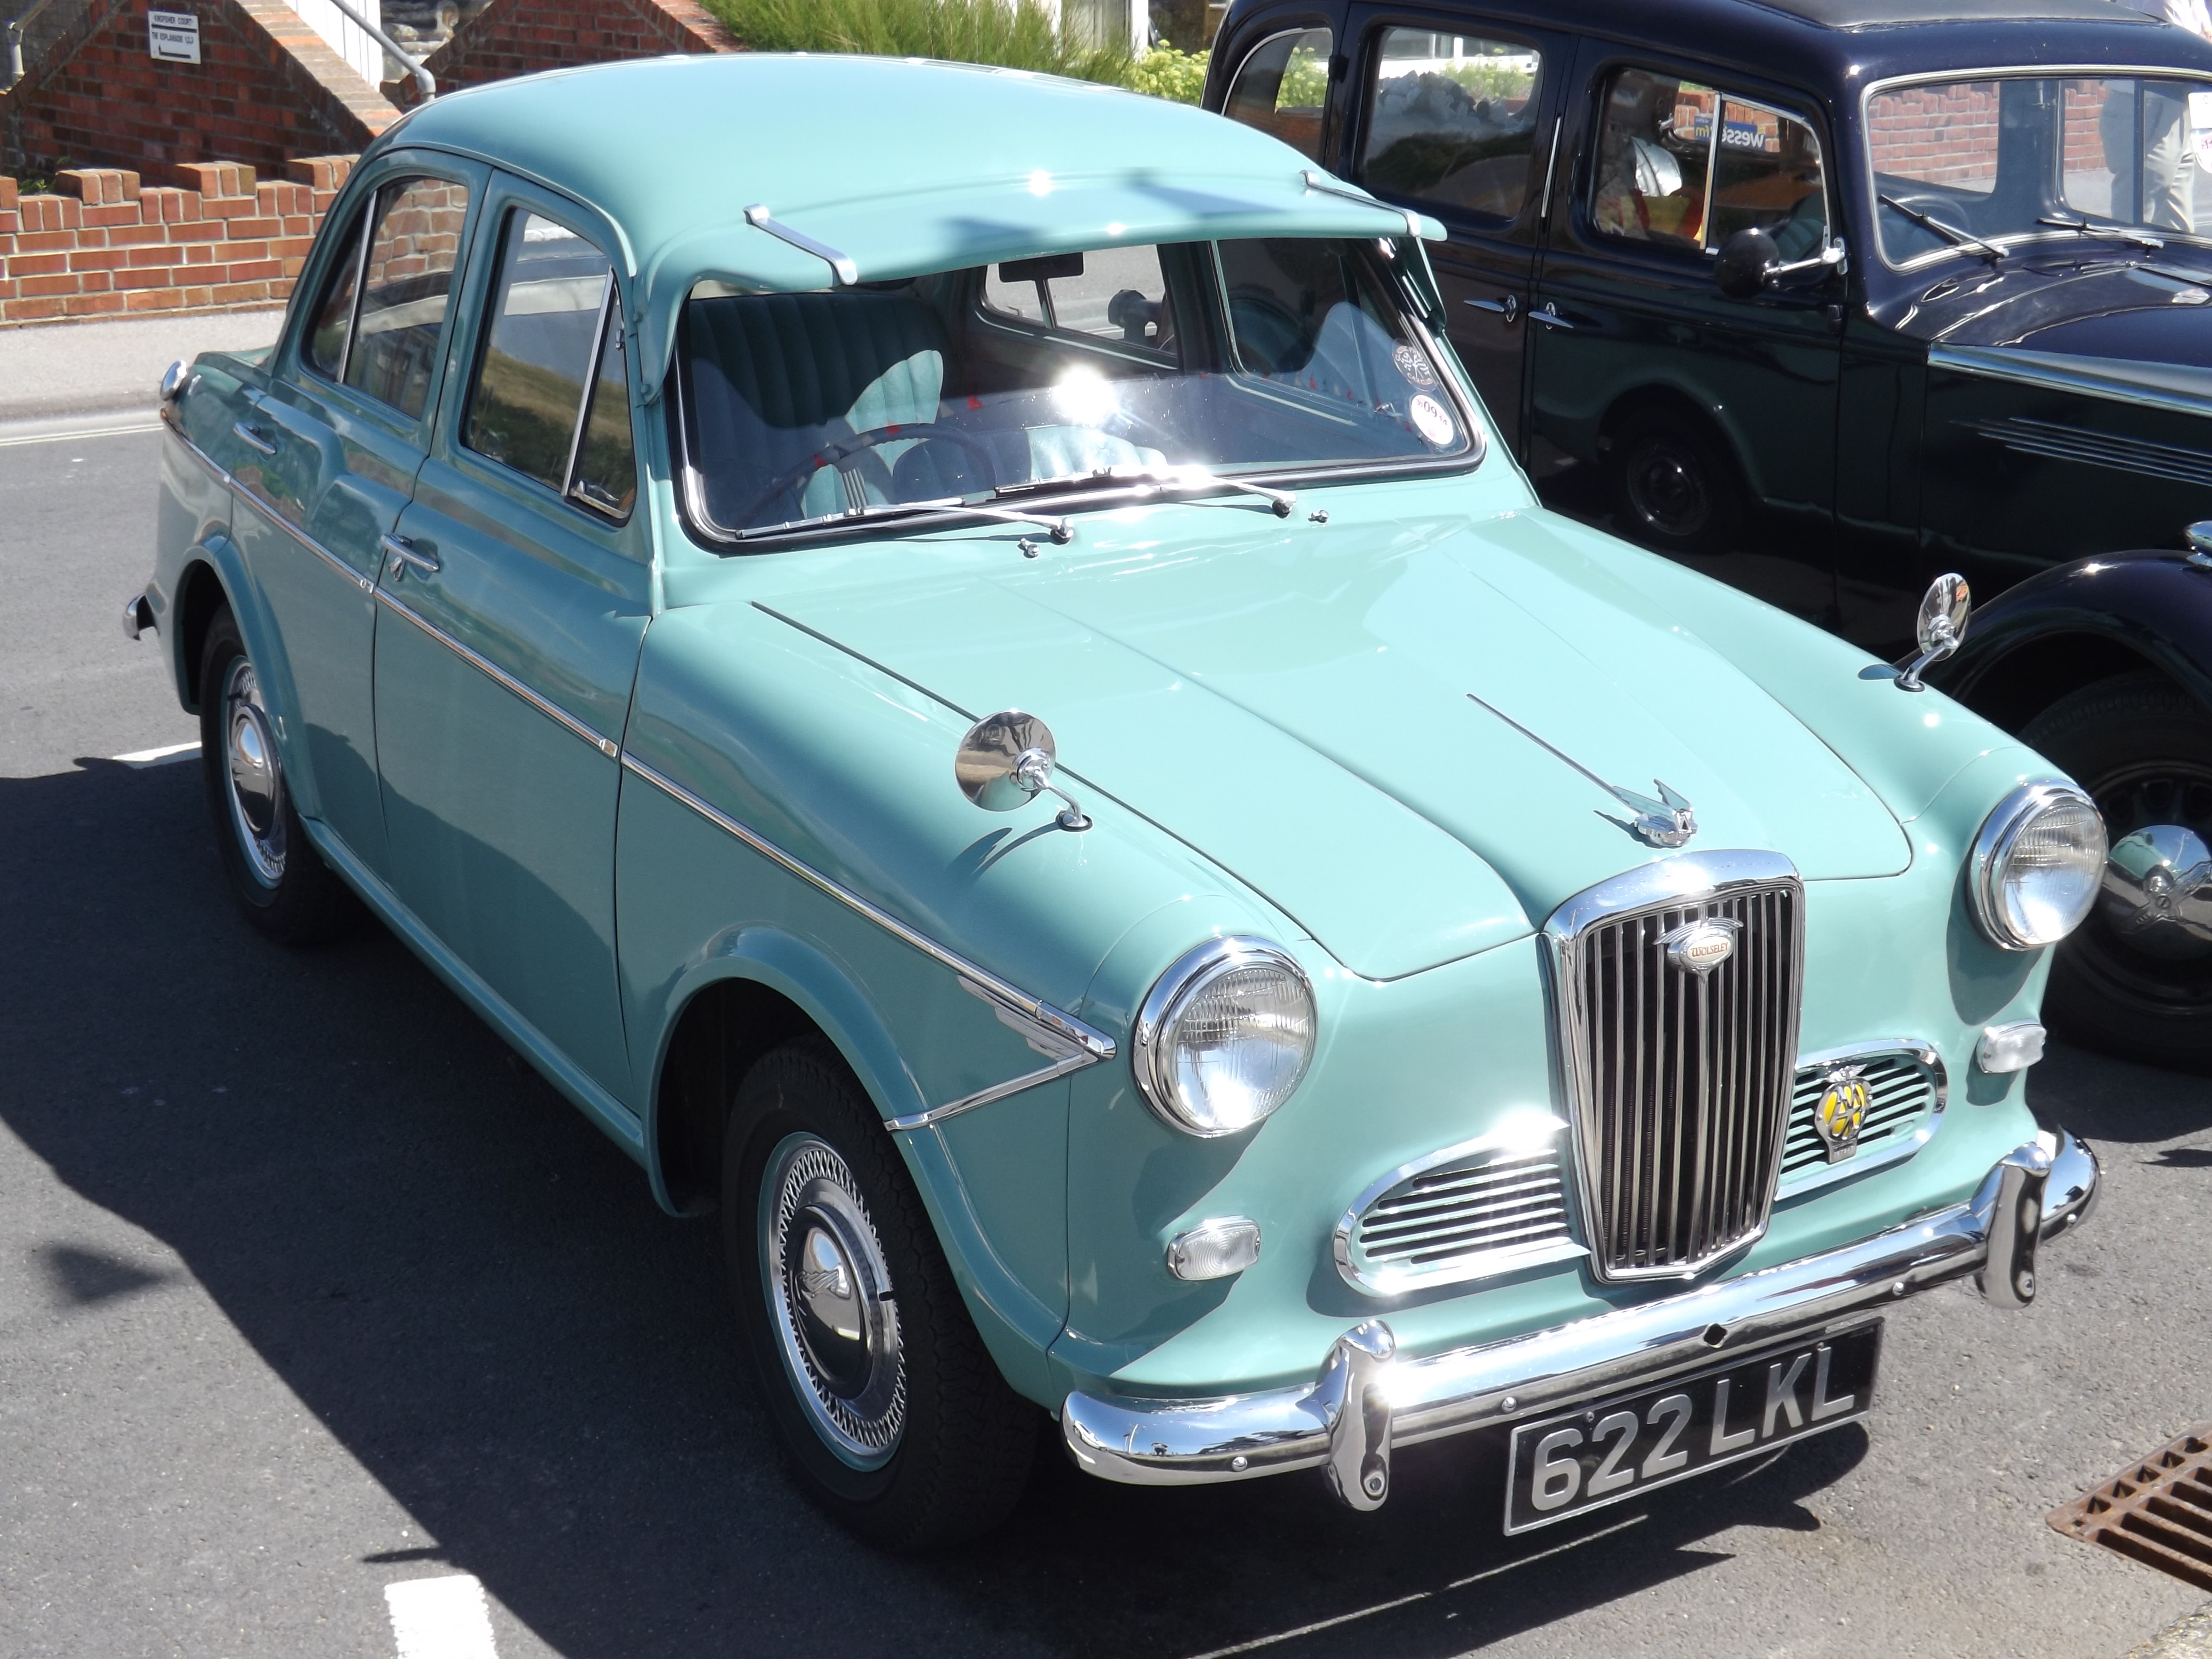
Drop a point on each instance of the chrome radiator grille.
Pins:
(1680, 1080)
(1906, 1089)
(1488, 1207)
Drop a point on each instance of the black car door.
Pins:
(1457, 115)
(1711, 420)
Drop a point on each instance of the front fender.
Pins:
(2152, 604)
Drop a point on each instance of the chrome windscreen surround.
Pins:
(1677, 1062)
(1908, 1089)
(1486, 1206)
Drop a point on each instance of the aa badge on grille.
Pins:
(1842, 1110)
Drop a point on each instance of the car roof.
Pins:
(902, 167)
(1889, 14)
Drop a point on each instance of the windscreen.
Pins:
(2003, 159)
(1244, 358)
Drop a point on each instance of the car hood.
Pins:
(1298, 703)
(2147, 309)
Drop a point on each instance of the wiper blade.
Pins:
(2140, 239)
(1059, 530)
(1951, 234)
(1149, 480)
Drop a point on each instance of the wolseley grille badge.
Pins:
(1844, 1102)
(1698, 947)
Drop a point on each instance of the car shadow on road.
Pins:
(472, 1290)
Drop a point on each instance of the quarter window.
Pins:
(383, 313)
(1451, 119)
(552, 396)
(1663, 180)
(1282, 88)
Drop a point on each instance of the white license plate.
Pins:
(1607, 1452)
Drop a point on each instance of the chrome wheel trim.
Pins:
(2157, 894)
(254, 775)
(828, 1291)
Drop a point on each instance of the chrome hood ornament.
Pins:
(1669, 821)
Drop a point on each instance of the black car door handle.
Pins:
(406, 556)
(254, 437)
(1509, 308)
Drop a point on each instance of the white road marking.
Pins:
(441, 1618)
(57, 437)
(146, 757)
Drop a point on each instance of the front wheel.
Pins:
(2136, 980)
(892, 1413)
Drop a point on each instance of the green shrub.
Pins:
(1179, 76)
(1018, 35)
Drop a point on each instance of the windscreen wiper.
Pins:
(2140, 239)
(1059, 530)
(1149, 480)
(1951, 234)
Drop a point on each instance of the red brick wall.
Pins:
(266, 87)
(113, 246)
(517, 36)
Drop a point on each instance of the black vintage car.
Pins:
(1836, 296)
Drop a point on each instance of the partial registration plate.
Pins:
(1605, 1453)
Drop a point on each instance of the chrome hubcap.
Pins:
(1667, 492)
(829, 1290)
(256, 776)
(2157, 892)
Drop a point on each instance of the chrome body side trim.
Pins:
(1186, 1442)
(2049, 372)
(1072, 1044)
(2054, 441)
(1795, 1183)
(552, 711)
(367, 585)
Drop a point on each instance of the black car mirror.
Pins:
(1748, 261)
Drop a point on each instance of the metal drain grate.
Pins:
(2158, 1512)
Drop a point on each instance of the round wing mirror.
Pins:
(1942, 626)
(1746, 260)
(1005, 761)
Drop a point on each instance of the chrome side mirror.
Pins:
(1748, 262)
(1005, 762)
(2199, 537)
(1942, 630)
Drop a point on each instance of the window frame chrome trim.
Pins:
(1478, 1264)
(1722, 871)
(1815, 1176)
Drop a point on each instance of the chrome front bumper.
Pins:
(1366, 1400)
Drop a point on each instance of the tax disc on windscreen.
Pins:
(1432, 421)
(1413, 364)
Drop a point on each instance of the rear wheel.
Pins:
(278, 879)
(892, 1413)
(1675, 484)
(2136, 980)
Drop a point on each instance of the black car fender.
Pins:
(2070, 626)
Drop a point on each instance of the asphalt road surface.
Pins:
(308, 1288)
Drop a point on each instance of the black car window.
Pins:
(552, 335)
(1118, 293)
(1659, 181)
(406, 283)
(1282, 88)
(1452, 119)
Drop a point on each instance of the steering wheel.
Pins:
(844, 449)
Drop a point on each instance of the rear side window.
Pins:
(1282, 88)
(551, 398)
(1685, 165)
(384, 307)
(1451, 119)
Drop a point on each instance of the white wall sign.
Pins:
(174, 37)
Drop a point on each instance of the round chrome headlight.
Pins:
(2038, 862)
(1224, 1036)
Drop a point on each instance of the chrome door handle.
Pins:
(1509, 308)
(405, 555)
(254, 437)
(1549, 316)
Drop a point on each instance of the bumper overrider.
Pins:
(1367, 1400)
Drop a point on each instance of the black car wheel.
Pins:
(892, 1412)
(278, 879)
(1673, 484)
(2136, 981)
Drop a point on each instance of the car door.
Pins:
(325, 460)
(1711, 420)
(518, 585)
(1456, 115)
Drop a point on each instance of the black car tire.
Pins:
(2142, 748)
(278, 879)
(955, 1443)
(1674, 484)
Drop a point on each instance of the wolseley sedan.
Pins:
(976, 690)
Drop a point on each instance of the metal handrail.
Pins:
(15, 27)
(425, 81)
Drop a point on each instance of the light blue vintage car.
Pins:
(947, 654)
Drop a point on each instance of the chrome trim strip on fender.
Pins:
(1073, 1044)
(2054, 441)
(552, 711)
(2160, 386)
(1186, 1442)
(366, 583)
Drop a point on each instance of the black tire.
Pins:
(275, 872)
(2142, 748)
(951, 1444)
(1674, 484)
